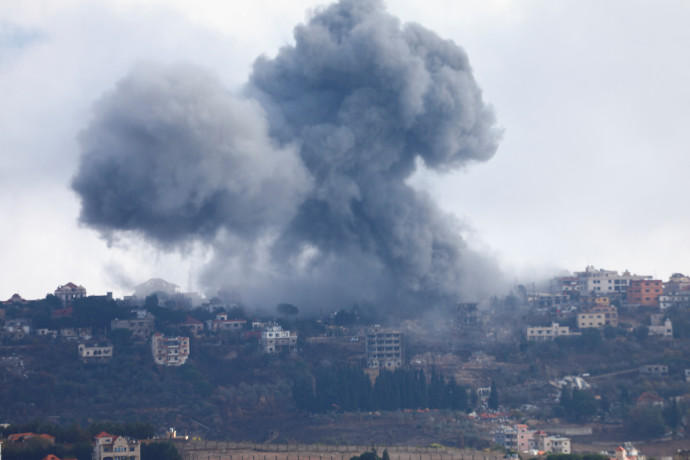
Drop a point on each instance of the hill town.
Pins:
(580, 363)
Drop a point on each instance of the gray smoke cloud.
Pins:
(299, 184)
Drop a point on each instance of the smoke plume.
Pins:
(299, 183)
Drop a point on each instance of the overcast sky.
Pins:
(593, 98)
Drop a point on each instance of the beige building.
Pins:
(70, 291)
(141, 327)
(554, 444)
(169, 351)
(384, 348)
(598, 317)
(113, 447)
(544, 333)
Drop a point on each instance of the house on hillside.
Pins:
(16, 299)
(193, 326)
(70, 291)
(274, 340)
(140, 327)
(94, 353)
(544, 333)
(109, 447)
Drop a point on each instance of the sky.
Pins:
(592, 98)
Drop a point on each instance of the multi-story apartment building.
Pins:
(645, 293)
(274, 339)
(515, 438)
(384, 348)
(113, 447)
(598, 317)
(544, 333)
(169, 351)
(70, 291)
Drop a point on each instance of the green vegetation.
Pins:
(347, 388)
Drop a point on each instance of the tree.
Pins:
(644, 422)
(672, 414)
(287, 309)
(160, 451)
(493, 397)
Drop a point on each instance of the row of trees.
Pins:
(349, 389)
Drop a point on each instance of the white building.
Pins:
(606, 281)
(113, 447)
(544, 333)
(95, 352)
(274, 339)
(169, 351)
(664, 329)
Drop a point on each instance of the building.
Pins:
(645, 293)
(568, 285)
(222, 323)
(654, 369)
(629, 452)
(680, 299)
(275, 340)
(70, 291)
(544, 333)
(554, 444)
(515, 438)
(193, 326)
(169, 351)
(141, 327)
(599, 316)
(677, 283)
(156, 286)
(518, 438)
(113, 447)
(16, 299)
(662, 328)
(384, 348)
(606, 281)
(94, 352)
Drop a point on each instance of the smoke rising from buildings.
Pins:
(299, 183)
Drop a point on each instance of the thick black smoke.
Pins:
(300, 186)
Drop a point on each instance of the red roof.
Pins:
(61, 312)
(18, 436)
(51, 457)
(649, 397)
(103, 434)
